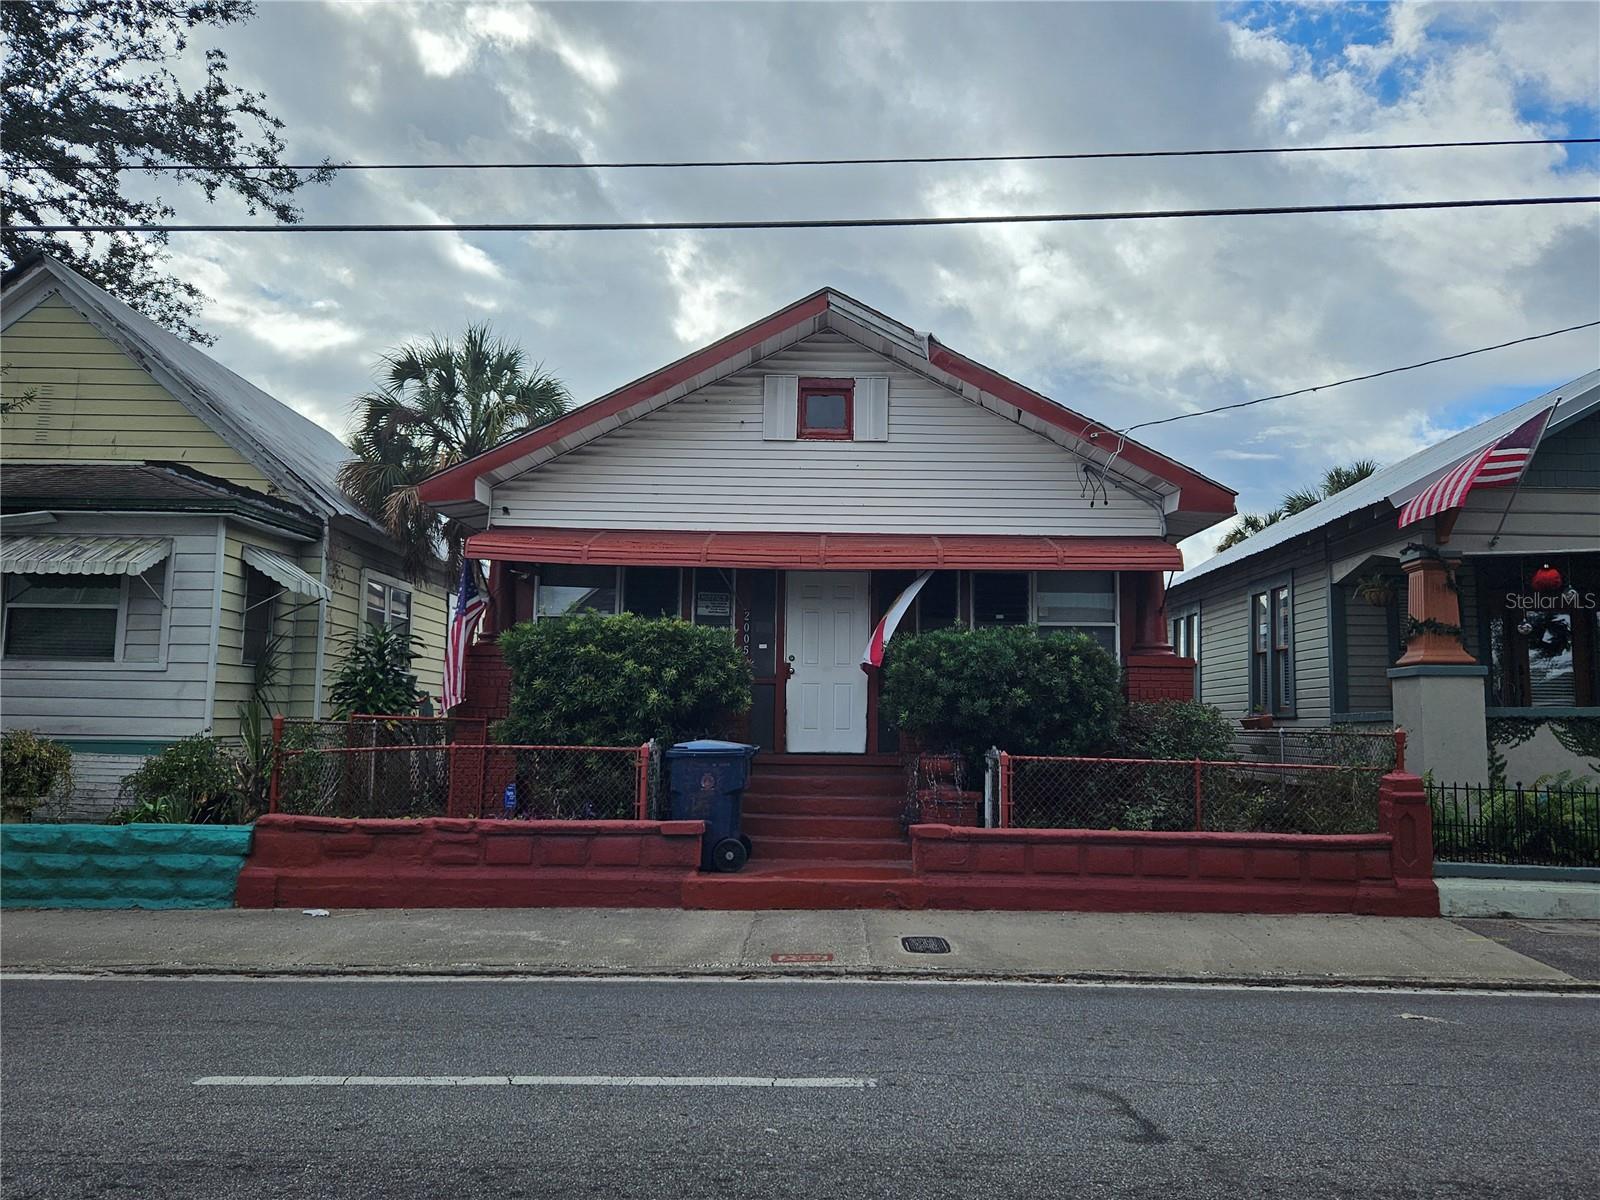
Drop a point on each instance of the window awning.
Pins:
(825, 551)
(73, 554)
(276, 567)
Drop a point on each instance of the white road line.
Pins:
(738, 1081)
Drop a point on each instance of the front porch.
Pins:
(803, 608)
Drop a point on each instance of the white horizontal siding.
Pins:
(1540, 519)
(146, 695)
(701, 463)
(1368, 654)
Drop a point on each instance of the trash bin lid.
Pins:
(712, 746)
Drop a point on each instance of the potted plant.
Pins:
(1259, 718)
(1376, 590)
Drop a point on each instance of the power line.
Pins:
(1322, 387)
(836, 223)
(691, 164)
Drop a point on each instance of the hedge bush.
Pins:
(32, 769)
(1174, 729)
(196, 780)
(1013, 687)
(595, 680)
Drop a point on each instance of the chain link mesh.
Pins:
(1335, 747)
(1180, 794)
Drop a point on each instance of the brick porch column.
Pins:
(1154, 671)
(1437, 686)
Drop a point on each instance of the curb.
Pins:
(712, 974)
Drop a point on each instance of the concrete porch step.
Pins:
(801, 825)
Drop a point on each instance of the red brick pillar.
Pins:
(1154, 672)
(1150, 616)
(1405, 815)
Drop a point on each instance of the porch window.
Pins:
(826, 409)
(1272, 650)
(651, 591)
(63, 616)
(999, 598)
(1186, 641)
(939, 601)
(1544, 647)
(1078, 602)
(568, 588)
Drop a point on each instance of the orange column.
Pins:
(1431, 596)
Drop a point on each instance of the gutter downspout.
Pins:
(322, 621)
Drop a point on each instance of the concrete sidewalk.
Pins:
(1085, 946)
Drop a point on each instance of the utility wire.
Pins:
(837, 223)
(1078, 156)
(1322, 387)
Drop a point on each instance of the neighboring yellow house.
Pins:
(162, 519)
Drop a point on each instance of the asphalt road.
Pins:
(979, 1091)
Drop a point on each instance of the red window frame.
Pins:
(827, 387)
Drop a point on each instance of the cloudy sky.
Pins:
(1123, 322)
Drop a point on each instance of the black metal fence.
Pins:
(1545, 826)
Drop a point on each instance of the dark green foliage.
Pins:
(32, 768)
(1174, 729)
(593, 680)
(89, 87)
(1011, 687)
(375, 676)
(194, 781)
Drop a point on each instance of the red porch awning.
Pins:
(824, 551)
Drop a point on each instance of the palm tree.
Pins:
(438, 404)
(1334, 480)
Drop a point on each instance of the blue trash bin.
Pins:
(705, 782)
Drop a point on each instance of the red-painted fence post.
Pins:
(1199, 811)
(277, 763)
(1005, 790)
(643, 805)
(1406, 816)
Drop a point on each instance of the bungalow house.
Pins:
(786, 482)
(1306, 622)
(166, 525)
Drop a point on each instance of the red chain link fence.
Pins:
(399, 768)
(1184, 794)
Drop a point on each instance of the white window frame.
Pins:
(391, 584)
(122, 625)
(1180, 617)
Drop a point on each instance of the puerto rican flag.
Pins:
(1498, 464)
(471, 604)
(872, 657)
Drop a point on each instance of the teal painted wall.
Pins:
(121, 866)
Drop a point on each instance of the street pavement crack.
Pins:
(1148, 1133)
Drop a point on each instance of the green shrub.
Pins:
(1012, 687)
(1174, 729)
(375, 676)
(193, 781)
(32, 769)
(593, 680)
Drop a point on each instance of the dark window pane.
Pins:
(1000, 598)
(938, 603)
(1104, 635)
(77, 633)
(650, 591)
(825, 411)
(66, 589)
(1069, 597)
(763, 711)
(568, 588)
(760, 631)
(399, 608)
(377, 602)
(259, 593)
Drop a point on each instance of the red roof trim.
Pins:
(457, 482)
(1197, 493)
(824, 551)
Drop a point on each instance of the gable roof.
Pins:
(293, 451)
(1399, 482)
(1189, 500)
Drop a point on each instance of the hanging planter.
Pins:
(1376, 590)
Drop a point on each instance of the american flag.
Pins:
(1499, 463)
(470, 607)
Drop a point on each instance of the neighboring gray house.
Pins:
(1303, 620)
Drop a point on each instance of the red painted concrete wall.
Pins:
(448, 863)
(1159, 677)
(1389, 873)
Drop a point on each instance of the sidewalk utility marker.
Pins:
(802, 958)
(742, 1081)
(925, 945)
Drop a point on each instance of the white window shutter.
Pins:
(872, 408)
(780, 398)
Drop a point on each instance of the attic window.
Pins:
(826, 410)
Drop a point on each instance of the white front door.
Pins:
(828, 623)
